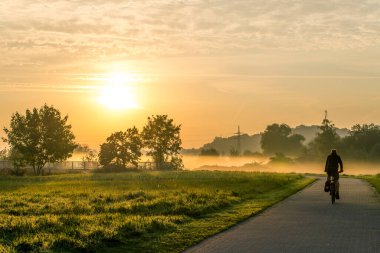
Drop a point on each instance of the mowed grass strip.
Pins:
(132, 212)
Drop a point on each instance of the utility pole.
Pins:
(238, 134)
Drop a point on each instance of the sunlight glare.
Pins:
(117, 93)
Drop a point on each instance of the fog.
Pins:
(262, 164)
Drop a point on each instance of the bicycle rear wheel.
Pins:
(332, 192)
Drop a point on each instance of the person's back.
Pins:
(333, 162)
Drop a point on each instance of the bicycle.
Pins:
(332, 190)
(332, 185)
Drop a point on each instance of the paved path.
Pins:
(307, 223)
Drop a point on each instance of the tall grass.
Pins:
(126, 212)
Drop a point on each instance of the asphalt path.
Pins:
(307, 222)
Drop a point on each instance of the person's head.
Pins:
(333, 151)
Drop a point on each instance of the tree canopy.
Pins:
(121, 149)
(4, 154)
(278, 138)
(363, 142)
(326, 139)
(40, 136)
(162, 138)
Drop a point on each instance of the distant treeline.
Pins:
(361, 143)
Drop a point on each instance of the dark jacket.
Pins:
(333, 162)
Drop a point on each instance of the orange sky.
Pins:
(209, 65)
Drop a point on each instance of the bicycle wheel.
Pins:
(332, 192)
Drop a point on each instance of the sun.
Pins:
(116, 92)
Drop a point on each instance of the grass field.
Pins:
(131, 212)
(374, 181)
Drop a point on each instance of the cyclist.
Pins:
(333, 163)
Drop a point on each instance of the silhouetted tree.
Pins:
(209, 152)
(248, 152)
(234, 152)
(121, 149)
(40, 136)
(363, 142)
(375, 152)
(279, 139)
(82, 148)
(326, 139)
(162, 137)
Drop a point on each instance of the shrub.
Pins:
(17, 172)
(111, 168)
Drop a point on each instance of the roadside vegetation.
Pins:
(131, 212)
(374, 181)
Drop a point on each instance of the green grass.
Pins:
(374, 181)
(131, 212)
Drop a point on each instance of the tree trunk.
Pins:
(159, 159)
(40, 170)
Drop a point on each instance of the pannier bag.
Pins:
(327, 186)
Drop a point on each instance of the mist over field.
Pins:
(263, 164)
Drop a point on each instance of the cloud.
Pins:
(56, 33)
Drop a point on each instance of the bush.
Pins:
(209, 152)
(113, 168)
(17, 172)
(281, 158)
(175, 164)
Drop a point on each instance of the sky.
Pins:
(209, 65)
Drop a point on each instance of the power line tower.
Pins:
(238, 134)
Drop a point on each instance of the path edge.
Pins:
(255, 215)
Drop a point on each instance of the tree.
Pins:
(363, 142)
(326, 139)
(234, 152)
(89, 155)
(162, 137)
(375, 152)
(209, 152)
(40, 136)
(279, 139)
(18, 162)
(248, 152)
(121, 149)
(280, 158)
(81, 148)
(4, 154)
